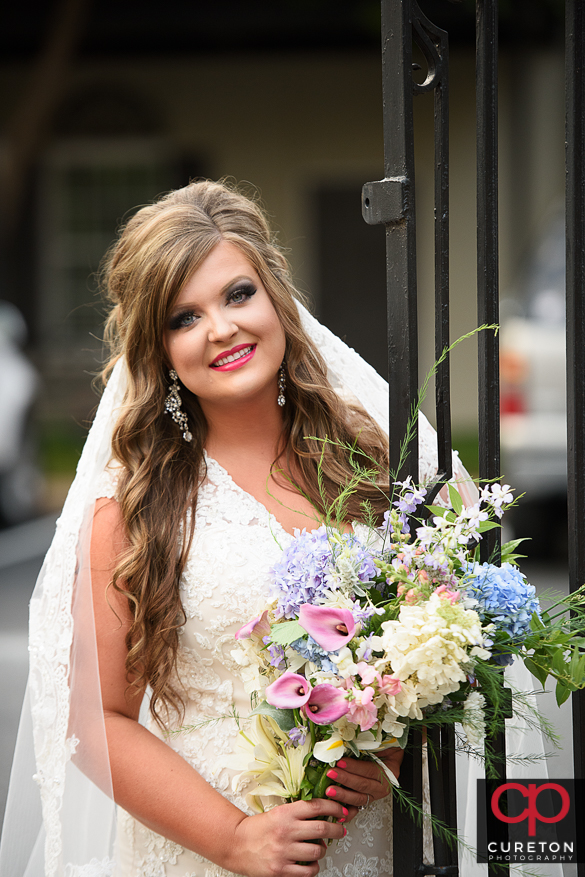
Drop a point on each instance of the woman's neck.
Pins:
(243, 430)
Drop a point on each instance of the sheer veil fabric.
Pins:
(68, 831)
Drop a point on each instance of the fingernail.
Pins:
(345, 811)
(344, 830)
(332, 774)
(341, 764)
(342, 819)
(331, 791)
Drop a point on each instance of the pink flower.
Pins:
(390, 685)
(361, 710)
(446, 594)
(291, 691)
(326, 704)
(330, 628)
(367, 673)
(258, 626)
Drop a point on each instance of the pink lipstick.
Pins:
(234, 358)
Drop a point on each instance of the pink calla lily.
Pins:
(258, 626)
(330, 628)
(326, 704)
(290, 691)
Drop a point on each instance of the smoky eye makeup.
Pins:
(242, 291)
(182, 319)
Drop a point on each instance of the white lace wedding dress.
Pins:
(225, 582)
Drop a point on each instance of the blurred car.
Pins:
(533, 395)
(19, 473)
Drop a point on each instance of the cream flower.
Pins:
(474, 719)
(429, 649)
(345, 663)
(266, 757)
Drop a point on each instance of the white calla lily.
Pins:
(330, 750)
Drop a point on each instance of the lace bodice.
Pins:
(225, 583)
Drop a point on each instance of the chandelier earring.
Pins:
(174, 406)
(281, 385)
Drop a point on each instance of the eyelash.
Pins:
(246, 291)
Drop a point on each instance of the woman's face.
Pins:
(223, 336)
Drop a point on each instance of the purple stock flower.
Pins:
(297, 736)
(362, 614)
(410, 498)
(276, 653)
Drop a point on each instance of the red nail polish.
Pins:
(341, 764)
(344, 830)
(332, 774)
(331, 791)
(342, 819)
(345, 811)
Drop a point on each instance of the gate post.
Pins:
(391, 202)
(575, 253)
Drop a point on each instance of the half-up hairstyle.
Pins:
(156, 254)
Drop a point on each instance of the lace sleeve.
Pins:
(107, 483)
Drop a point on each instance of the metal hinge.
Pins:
(385, 201)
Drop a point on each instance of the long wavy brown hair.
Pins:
(156, 254)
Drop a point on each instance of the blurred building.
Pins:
(106, 104)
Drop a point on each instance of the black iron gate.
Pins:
(391, 202)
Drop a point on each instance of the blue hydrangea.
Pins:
(312, 651)
(300, 576)
(306, 572)
(504, 597)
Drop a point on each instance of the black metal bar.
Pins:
(443, 794)
(434, 43)
(575, 243)
(487, 252)
(407, 850)
(442, 383)
(390, 201)
(488, 292)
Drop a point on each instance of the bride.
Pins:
(195, 476)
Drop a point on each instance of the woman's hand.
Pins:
(273, 844)
(359, 781)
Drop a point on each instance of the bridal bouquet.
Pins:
(371, 632)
